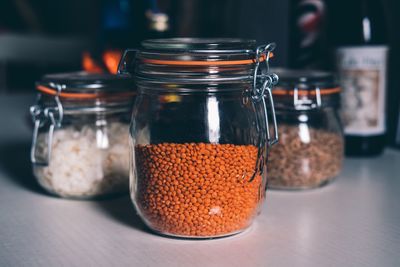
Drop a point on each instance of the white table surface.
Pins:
(354, 221)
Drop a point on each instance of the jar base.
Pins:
(301, 188)
(106, 196)
(65, 194)
(181, 237)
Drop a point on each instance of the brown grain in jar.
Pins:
(296, 163)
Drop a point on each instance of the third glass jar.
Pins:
(310, 149)
(80, 141)
(199, 134)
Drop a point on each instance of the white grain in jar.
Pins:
(80, 145)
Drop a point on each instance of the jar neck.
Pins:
(287, 103)
(149, 87)
(170, 76)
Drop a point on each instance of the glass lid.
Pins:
(305, 89)
(200, 45)
(85, 85)
(304, 79)
(193, 61)
(198, 51)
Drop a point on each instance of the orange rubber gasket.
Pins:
(51, 91)
(204, 63)
(324, 91)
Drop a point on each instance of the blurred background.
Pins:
(45, 36)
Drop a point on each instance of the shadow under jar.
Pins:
(80, 145)
(310, 149)
(199, 135)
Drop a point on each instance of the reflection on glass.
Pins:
(213, 120)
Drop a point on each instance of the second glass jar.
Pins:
(310, 149)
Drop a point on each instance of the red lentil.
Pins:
(205, 192)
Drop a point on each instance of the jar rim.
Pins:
(84, 85)
(282, 91)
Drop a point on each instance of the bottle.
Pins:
(307, 38)
(362, 63)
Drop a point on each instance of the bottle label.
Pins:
(362, 73)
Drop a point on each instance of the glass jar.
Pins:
(310, 149)
(199, 135)
(80, 144)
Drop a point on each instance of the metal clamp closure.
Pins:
(306, 103)
(51, 116)
(263, 81)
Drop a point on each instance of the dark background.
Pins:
(42, 36)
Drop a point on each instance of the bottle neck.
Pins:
(361, 23)
(373, 26)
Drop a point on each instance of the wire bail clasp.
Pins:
(263, 82)
(307, 103)
(50, 115)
